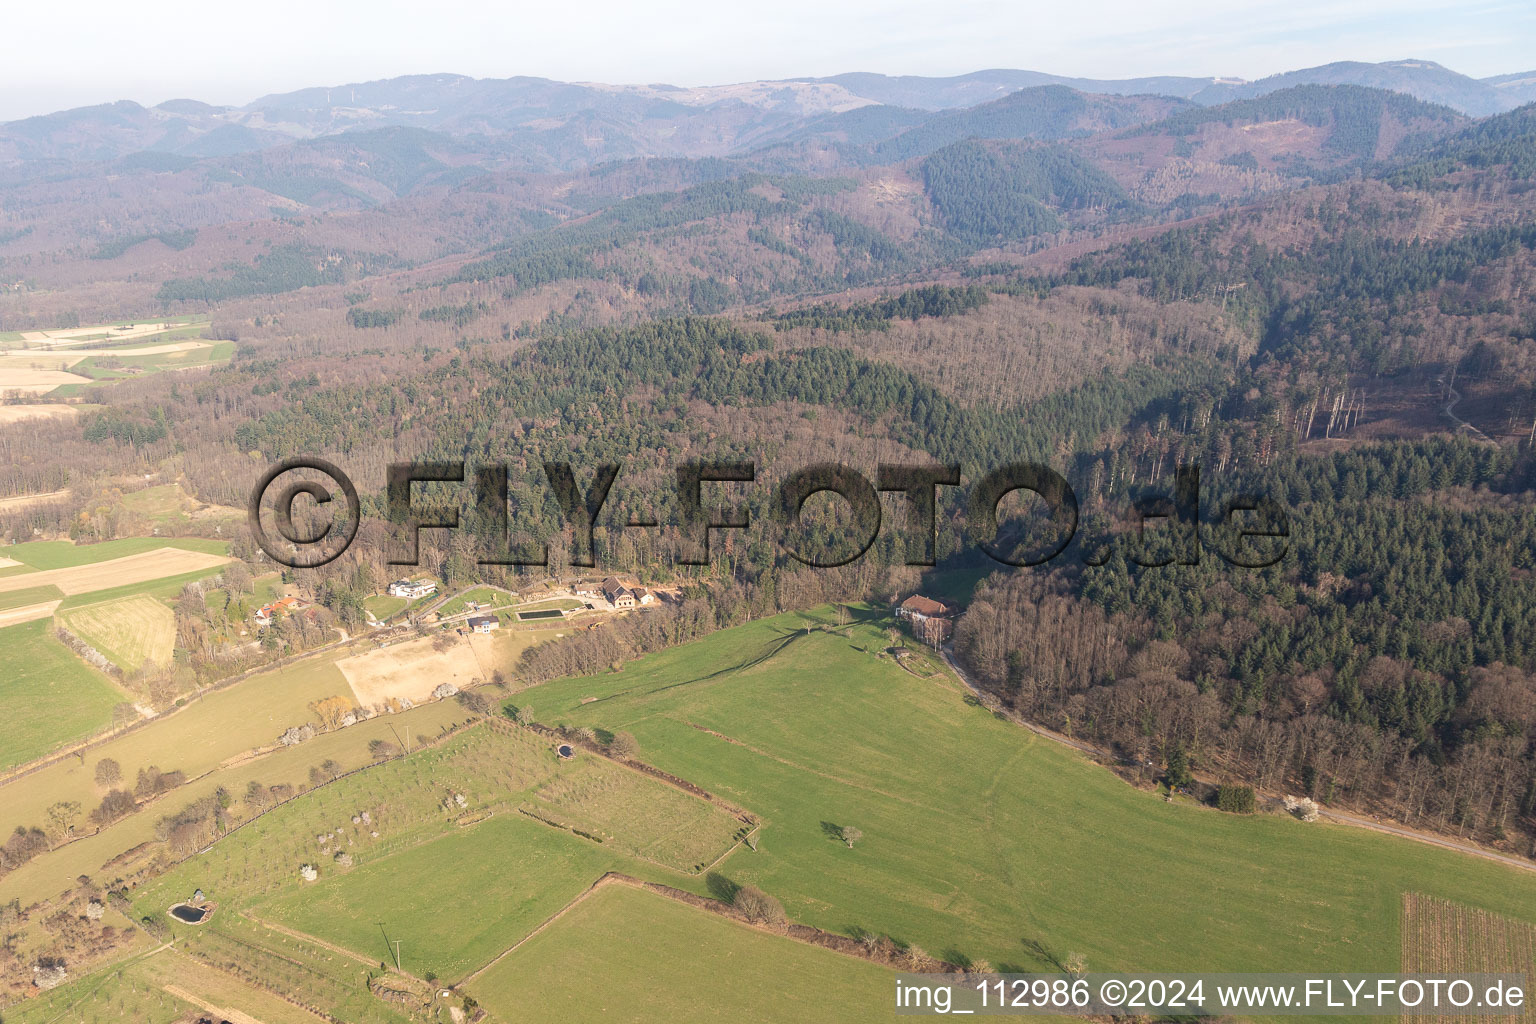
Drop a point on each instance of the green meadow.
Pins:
(61, 554)
(455, 884)
(455, 902)
(982, 840)
(626, 954)
(47, 695)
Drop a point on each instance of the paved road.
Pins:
(1340, 817)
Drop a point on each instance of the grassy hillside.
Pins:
(980, 839)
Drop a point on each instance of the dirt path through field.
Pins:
(303, 937)
(233, 1016)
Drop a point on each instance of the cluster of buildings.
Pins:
(282, 606)
(617, 593)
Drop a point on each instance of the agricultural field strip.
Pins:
(1442, 937)
(144, 567)
(16, 616)
(224, 689)
(21, 413)
(76, 354)
(97, 332)
(130, 631)
(37, 382)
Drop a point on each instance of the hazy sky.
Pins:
(91, 51)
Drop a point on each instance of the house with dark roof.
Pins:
(618, 595)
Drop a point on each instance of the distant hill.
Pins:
(1359, 122)
(983, 86)
(1421, 79)
(879, 135)
(1519, 87)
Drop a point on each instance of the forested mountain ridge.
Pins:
(1349, 331)
(463, 106)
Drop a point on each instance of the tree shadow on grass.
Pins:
(1038, 950)
(721, 888)
(832, 831)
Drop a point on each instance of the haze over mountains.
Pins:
(549, 124)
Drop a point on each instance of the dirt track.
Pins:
(415, 668)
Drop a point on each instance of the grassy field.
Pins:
(563, 604)
(981, 839)
(625, 954)
(30, 596)
(491, 596)
(130, 631)
(168, 504)
(384, 607)
(636, 816)
(514, 872)
(46, 876)
(61, 554)
(47, 695)
(195, 739)
(411, 880)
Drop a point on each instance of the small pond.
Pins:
(189, 915)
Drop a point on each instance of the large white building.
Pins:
(412, 589)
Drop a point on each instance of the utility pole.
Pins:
(397, 957)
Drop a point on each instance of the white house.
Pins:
(412, 589)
